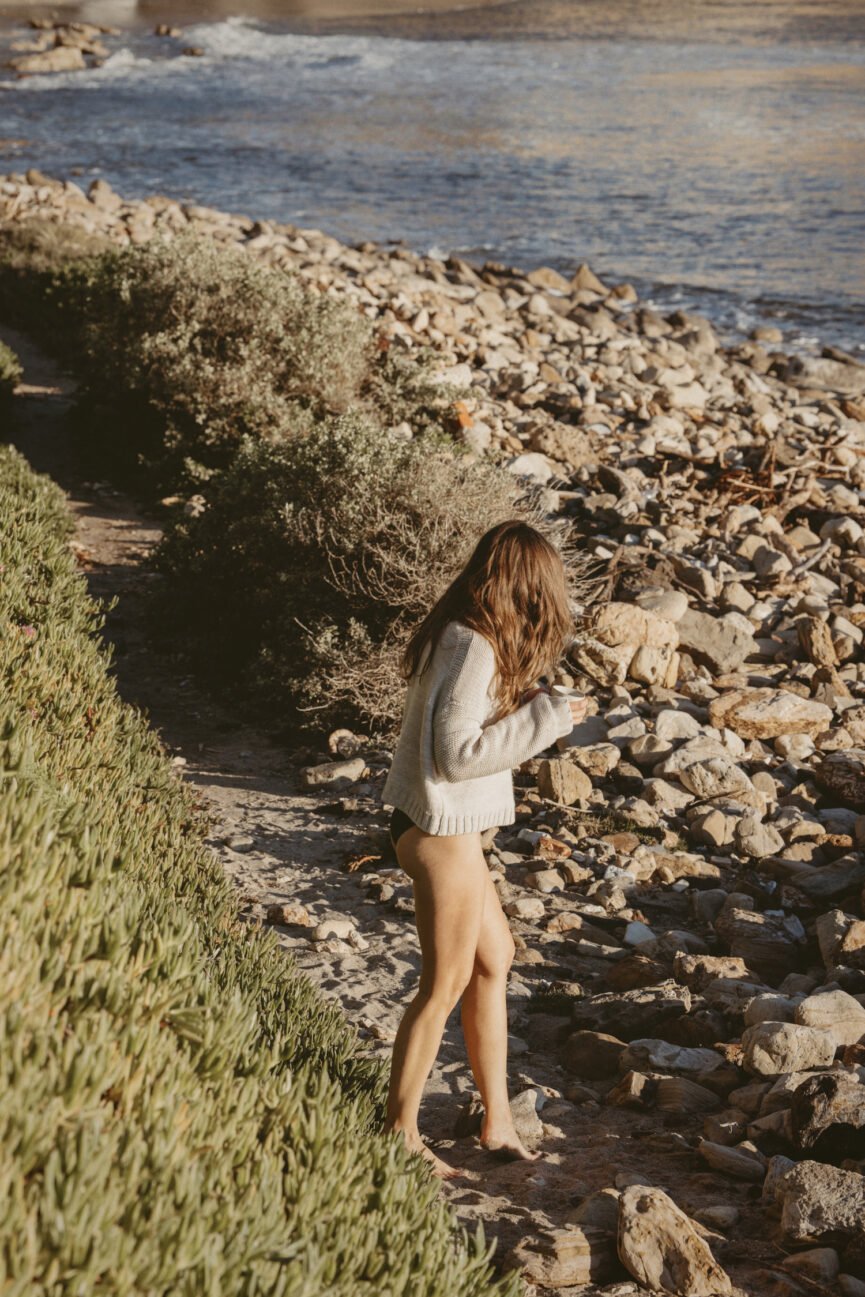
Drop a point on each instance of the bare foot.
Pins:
(415, 1144)
(508, 1146)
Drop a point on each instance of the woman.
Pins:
(470, 716)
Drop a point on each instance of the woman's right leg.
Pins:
(449, 875)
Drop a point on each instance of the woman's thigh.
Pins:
(450, 879)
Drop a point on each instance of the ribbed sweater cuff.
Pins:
(562, 713)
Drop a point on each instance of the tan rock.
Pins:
(564, 1258)
(592, 1054)
(697, 971)
(63, 58)
(292, 914)
(561, 442)
(609, 666)
(660, 1246)
(333, 773)
(719, 777)
(834, 1012)
(598, 759)
(741, 1162)
(563, 781)
(585, 280)
(547, 278)
(815, 638)
(654, 666)
(627, 623)
(768, 713)
(818, 1199)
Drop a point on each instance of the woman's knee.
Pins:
(494, 957)
(442, 993)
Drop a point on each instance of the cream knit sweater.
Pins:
(451, 770)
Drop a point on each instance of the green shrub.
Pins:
(46, 269)
(180, 1111)
(10, 370)
(313, 557)
(190, 346)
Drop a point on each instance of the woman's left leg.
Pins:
(485, 1027)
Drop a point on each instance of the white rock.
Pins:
(770, 1048)
(341, 928)
(836, 1013)
(526, 908)
(533, 465)
(674, 725)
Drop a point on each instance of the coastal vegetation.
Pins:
(181, 1111)
(685, 871)
(10, 370)
(326, 498)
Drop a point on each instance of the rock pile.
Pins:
(685, 876)
(60, 47)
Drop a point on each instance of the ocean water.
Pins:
(712, 156)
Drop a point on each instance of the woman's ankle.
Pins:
(398, 1126)
(498, 1126)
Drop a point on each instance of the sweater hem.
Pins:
(444, 824)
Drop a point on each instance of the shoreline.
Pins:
(524, 342)
(730, 265)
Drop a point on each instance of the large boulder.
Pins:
(828, 1116)
(562, 781)
(719, 777)
(563, 1258)
(721, 643)
(818, 1199)
(770, 944)
(768, 713)
(825, 373)
(771, 1048)
(659, 1245)
(628, 639)
(835, 1012)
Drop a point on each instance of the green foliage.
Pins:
(314, 555)
(193, 346)
(180, 1111)
(46, 269)
(187, 347)
(10, 370)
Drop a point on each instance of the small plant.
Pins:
(10, 371)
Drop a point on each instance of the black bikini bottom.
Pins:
(399, 822)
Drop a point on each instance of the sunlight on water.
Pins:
(713, 151)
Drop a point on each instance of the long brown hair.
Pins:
(514, 591)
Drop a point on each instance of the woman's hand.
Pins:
(578, 705)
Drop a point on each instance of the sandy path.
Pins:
(279, 844)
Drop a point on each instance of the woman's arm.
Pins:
(465, 748)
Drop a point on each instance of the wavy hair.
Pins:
(514, 591)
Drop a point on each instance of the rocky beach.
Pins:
(686, 877)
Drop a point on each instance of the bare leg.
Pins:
(485, 1027)
(449, 875)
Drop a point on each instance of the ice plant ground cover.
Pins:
(180, 1110)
